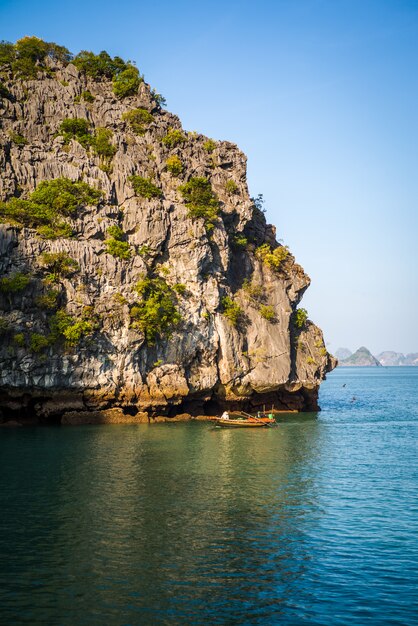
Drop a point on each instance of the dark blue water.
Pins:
(314, 522)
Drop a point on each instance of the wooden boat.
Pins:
(244, 420)
(240, 423)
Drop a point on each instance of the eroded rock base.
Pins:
(18, 407)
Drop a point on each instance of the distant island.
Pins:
(363, 357)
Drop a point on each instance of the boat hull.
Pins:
(240, 423)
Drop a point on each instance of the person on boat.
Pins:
(225, 415)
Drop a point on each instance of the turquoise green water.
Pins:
(314, 522)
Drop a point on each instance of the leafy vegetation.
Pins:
(38, 342)
(267, 311)
(156, 315)
(58, 264)
(173, 138)
(76, 128)
(99, 65)
(7, 52)
(174, 165)
(65, 196)
(19, 140)
(115, 245)
(87, 96)
(231, 310)
(231, 187)
(239, 241)
(258, 202)
(79, 129)
(209, 145)
(201, 200)
(65, 326)
(299, 318)
(28, 55)
(45, 207)
(48, 300)
(101, 143)
(19, 339)
(138, 119)
(253, 290)
(126, 83)
(158, 98)
(180, 288)
(14, 283)
(272, 258)
(144, 250)
(144, 187)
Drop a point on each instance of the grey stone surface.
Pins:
(207, 363)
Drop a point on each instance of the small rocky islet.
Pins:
(138, 278)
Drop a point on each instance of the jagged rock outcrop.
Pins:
(263, 355)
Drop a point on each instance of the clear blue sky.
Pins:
(322, 95)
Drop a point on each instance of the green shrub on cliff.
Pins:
(102, 145)
(267, 311)
(38, 342)
(17, 139)
(299, 318)
(231, 187)
(58, 264)
(7, 52)
(156, 315)
(76, 128)
(52, 200)
(48, 300)
(174, 165)
(231, 310)
(138, 119)
(209, 145)
(200, 200)
(71, 330)
(144, 187)
(87, 96)
(272, 258)
(126, 83)
(254, 290)
(115, 245)
(27, 56)
(174, 138)
(19, 339)
(14, 283)
(158, 98)
(64, 196)
(239, 241)
(99, 65)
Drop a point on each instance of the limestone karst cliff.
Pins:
(136, 273)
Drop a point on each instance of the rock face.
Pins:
(362, 357)
(211, 360)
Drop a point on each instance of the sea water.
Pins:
(314, 522)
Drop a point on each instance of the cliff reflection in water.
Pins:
(140, 523)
